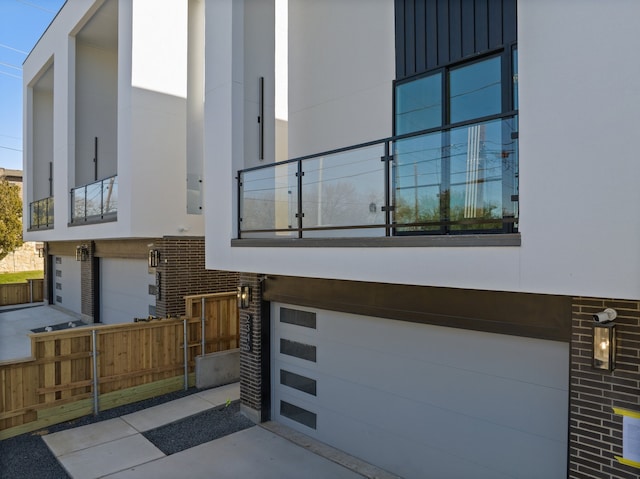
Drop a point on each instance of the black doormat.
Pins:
(199, 428)
(58, 327)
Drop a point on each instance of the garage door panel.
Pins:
(124, 290)
(403, 455)
(402, 392)
(430, 428)
(494, 398)
(538, 361)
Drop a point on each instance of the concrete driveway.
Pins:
(16, 323)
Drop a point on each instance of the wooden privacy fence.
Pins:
(19, 293)
(68, 377)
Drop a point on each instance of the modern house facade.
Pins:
(426, 221)
(113, 187)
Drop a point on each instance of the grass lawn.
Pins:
(21, 277)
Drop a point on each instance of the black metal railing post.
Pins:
(239, 204)
(387, 158)
(299, 214)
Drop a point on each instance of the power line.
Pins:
(14, 49)
(10, 66)
(35, 6)
(7, 148)
(10, 75)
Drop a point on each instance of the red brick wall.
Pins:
(595, 431)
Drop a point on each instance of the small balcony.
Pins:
(96, 202)
(41, 214)
(453, 182)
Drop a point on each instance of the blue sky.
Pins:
(21, 24)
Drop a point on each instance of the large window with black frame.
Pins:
(456, 162)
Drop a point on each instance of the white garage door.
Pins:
(67, 290)
(422, 401)
(124, 290)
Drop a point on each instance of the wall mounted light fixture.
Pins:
(154, 258)
(604, 340)
(244, 296)
(82, 252)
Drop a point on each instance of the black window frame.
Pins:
(508, 110)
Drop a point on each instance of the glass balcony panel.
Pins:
(49, 214)
(418, 182)
(268, 201)
(110, 195)
(466, 177)
(78, 203)
(344, 189)
(94, 199)
(41, 214)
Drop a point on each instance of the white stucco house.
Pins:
(426, 218)
(112, 185)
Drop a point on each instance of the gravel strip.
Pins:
(198, 429)
(28, 457)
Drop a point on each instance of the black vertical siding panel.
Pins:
(410, 31)
(495, 23)
(431, 21)
(509, 21)
(400, 36)
(468, 28)
(443, 32)
(421, 37)
(482, 26)
(455, 30)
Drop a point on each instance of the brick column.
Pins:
(254, 353)
(88, 283)
(182, 272)
(595, 431)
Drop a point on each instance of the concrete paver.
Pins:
(103, 459)
(166, 413)
(253, 452)
(83, 437)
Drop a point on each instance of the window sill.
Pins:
(384, 242)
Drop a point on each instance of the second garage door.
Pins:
(420, 400)
(124, 290)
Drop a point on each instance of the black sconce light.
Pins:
(154, 258)
(244, 296)
(40, 251)
(604, 340)
(82, 253)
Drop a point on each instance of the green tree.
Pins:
(10, 218)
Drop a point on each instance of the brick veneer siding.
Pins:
(595, 431)
(254, 362)
(182, 272)
(87, 283)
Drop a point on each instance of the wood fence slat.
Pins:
(147, 358)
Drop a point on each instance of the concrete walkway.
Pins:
(116, 448)
(16, 323)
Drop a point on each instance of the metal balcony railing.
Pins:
(95, 202)
(460, 180)
(41, 214)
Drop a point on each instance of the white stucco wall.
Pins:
(151, 120)
(578, 196)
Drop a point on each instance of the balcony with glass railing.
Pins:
(41, 214)
(458, 181)
(96, 202)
